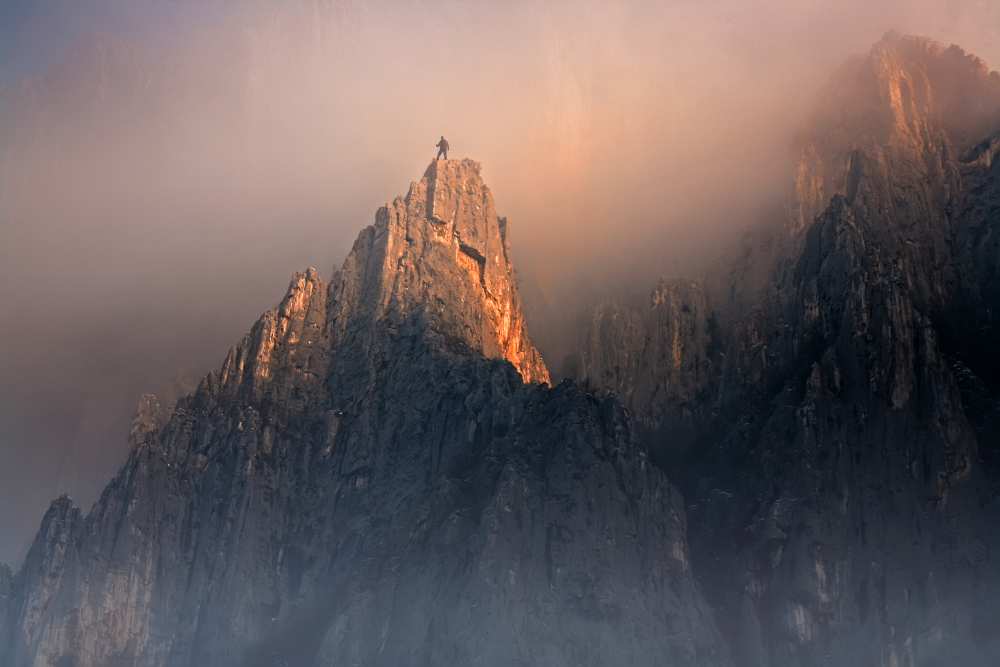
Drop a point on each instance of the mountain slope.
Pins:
(377, 474)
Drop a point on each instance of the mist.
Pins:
(165, 166)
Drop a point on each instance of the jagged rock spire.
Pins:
(440, 253)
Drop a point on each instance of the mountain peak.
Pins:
(366, 480)
(923, 83)
(441, 255)
(910, 99)
(446, 169)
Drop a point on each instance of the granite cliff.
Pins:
(377, 474)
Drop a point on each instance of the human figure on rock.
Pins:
(442, 147)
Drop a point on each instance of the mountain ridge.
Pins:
(838, 486)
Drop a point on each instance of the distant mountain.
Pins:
(836, 436)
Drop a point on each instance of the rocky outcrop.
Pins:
(377, 474)
(844, 498)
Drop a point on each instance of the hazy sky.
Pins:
(165, 165)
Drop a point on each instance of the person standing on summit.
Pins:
(442, 147)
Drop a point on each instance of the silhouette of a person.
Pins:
(442, 147)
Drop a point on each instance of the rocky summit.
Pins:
(378, 474)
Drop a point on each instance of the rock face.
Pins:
(660, 359)
(378, 474)
(844, 497)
